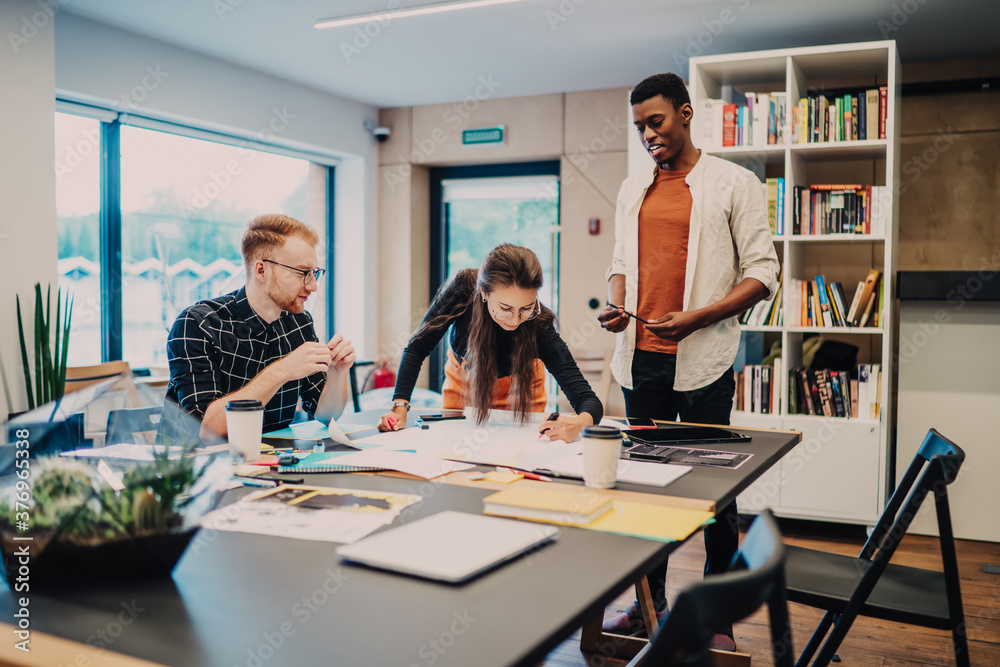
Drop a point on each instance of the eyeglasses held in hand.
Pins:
(306, 274)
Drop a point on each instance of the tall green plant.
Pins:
(51, 347)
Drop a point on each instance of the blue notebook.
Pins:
(325, 462)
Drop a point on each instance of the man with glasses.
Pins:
(259, 341)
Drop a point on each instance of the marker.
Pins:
(265, 483)
(392, 421)
(552, 417)
(524, 474)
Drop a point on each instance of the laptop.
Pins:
(448, 546)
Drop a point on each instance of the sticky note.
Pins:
(503, 477)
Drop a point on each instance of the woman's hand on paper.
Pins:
(566, 427)
(392, 421)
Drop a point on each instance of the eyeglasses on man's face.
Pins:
(306, 274)
(508, 314)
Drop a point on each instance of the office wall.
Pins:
(949, 216)
(27, 183)
(586, 131)
(98, 63)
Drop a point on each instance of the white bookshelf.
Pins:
(840, 471)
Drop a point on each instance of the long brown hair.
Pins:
(507, 265)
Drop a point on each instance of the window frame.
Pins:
(110, 214)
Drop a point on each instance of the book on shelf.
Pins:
(834, 393)
(548, 505)
(849, 115)
(867, 297)
(760, 389)
(838, 209)
(749, 119)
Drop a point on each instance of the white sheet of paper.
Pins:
(337, 434)
(635, 472)
(420, 465)
(282, 520)
(123, 451)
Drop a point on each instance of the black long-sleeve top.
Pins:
(552, 349)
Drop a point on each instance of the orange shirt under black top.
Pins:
(664, 223)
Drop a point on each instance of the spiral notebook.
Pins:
(325, 462)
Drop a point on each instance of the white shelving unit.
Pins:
(840, 471)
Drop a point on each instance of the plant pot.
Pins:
(59, 562)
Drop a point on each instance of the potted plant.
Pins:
(50, 350)
(132, 519)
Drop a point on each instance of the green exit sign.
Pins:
(489, 135)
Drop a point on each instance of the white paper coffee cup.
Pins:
(602, 448)
(245, 421)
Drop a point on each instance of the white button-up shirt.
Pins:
(729, 240)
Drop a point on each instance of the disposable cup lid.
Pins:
(602, 432)
(249, 405)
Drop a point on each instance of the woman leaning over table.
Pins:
(501, 339)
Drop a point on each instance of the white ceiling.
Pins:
(533, 46)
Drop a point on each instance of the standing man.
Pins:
(259, 341)
(693, 249)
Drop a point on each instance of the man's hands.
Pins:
(614, 319)
(310, 357)
(341, 353)
(676, 326)
(306, 359)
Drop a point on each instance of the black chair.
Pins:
(869, 585)
(125, 423)
(757, 576)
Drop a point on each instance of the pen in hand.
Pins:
(632, 315)
(551, 418)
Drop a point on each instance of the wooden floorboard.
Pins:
(871, 642)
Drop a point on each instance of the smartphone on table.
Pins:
(640, 422)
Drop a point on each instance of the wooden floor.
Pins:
(870, 643)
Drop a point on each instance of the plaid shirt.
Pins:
(218, 346)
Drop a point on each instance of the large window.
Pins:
(168, 232)
(78, 209)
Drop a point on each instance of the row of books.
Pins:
(828, 393)
(755, 120)
(766, 390)
(855, 115)
(840, 209)
(765, 313)
(823, 304)
(774, 195)
(758, 389)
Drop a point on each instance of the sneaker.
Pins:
(722, 642)
(629, 622)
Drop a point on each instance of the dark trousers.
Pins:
(653, 396)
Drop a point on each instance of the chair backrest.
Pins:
(124, 424)
(934, 467)
(726, 598)
(81, 377)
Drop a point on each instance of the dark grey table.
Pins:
(240, 599)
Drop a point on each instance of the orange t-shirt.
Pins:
(664, 223)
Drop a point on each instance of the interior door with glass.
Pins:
(482, 212)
